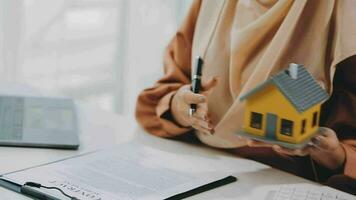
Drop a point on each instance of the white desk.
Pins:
(100, 129)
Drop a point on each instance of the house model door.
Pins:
(271, 126)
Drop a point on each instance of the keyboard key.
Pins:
(299, 193)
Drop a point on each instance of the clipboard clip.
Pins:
(27, 190)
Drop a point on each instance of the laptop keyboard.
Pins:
(11, 117)
(295, 193)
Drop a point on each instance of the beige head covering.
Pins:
(246, 41)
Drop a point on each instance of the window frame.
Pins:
(253, 117)
(303, 126)
(285, 122)
(315, 119)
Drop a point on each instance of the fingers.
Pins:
(292, 152)
(327, 132)
(202, 126)
(326, 139)
(281, 150)
(320, 142)
(191, 98)
(255, 143)
(202, 112)
(208, 85)
(200, 120)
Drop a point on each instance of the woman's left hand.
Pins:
(324, 148)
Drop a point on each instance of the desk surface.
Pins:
(100, 129)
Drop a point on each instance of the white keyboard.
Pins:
(303, 193)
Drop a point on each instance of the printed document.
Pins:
(125, 172)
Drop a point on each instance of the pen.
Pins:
(203, 188)
(196, 81)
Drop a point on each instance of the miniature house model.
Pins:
(284, 108)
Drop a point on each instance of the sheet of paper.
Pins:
(125, 172)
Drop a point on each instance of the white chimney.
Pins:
(293, 70)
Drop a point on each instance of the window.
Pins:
(315, 119)
(88, 49)
(256, 120)
(304, 122)
(287, 127)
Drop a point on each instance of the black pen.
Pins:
(196, 81)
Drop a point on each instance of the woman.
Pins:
(242, 44)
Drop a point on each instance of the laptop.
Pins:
(38, 122)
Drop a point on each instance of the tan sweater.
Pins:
(244, 42)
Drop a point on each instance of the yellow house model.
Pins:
(285, 109)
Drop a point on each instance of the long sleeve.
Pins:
(340, 112)
(153, 104)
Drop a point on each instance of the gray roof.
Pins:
(303, 92)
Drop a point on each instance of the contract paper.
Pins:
(126, 172)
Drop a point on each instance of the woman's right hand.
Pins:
(181, 104)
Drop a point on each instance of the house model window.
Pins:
(287, 127)
(315, 119)
(304, 122)
(256, 120)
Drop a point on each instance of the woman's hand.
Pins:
(325, 149)
(181, 104)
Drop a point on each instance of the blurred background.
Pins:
(102, 52)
